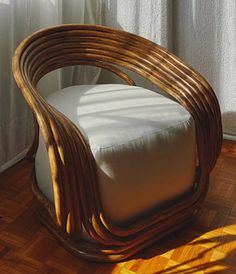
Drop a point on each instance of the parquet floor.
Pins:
(206, 246)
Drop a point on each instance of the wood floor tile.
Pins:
(208, 245)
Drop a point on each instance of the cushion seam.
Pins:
(143, 136)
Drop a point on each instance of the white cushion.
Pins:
(143, 144)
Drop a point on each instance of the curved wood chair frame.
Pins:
(77, 203)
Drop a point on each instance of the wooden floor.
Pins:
(206, 246)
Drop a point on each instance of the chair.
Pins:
(117, 167)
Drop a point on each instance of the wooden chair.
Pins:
(77, 208)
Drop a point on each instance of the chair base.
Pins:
(110, 253)
(100, 253)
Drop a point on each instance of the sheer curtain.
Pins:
(18, 18)
(203, 33)
(148, 18)
(205, 36)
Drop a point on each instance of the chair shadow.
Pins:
(189, 236)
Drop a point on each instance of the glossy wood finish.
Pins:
(76, 192)
(208, 245)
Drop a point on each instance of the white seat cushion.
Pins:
(143, 144)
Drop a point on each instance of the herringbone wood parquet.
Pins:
(206, 246)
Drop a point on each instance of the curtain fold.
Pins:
(202, 33)
(151, 19)
(19, 18)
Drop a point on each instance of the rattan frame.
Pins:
(77, 199)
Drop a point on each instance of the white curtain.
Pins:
(202, 33)
(148, 18)
(205, 36)
(18, 18)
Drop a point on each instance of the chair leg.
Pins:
(33, 148)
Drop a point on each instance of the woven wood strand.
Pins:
(76, 193)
